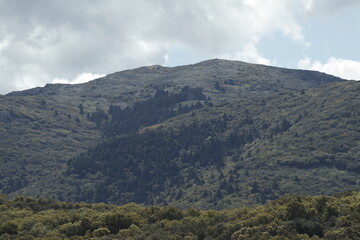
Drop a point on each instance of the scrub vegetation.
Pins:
(290, 217)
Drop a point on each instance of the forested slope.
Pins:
(240, 152)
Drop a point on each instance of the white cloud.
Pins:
(347, 69)
(105, 36)
(81, 78)
(4, 43)
(248, 54)
(29, 75)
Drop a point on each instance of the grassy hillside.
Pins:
(38, 134)
(290, 217)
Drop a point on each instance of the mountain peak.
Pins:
(225, 62)
(235, 78)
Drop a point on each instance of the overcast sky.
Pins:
(49, 41)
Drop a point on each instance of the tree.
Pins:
(9, 227)
(81, 109)
(255, 187)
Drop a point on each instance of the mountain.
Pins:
(217, 134)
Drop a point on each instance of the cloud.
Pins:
(88, 36)
(347, 69)
(81, 78)
(326, 7)
(72, 38)
(249, 54)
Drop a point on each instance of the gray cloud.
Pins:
(327, 7)
(43, 40)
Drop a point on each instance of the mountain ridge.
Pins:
(153, 68)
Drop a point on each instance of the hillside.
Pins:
(290, 217)
(243, 152)
(38, 134)
(216, 134)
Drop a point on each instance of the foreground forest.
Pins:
(290, 217)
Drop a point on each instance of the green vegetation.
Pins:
(163, 105)
(222, 156)
(213, 135)
(290, 217)
(35, 143)
(137, 167)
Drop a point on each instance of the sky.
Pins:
(63, 41)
